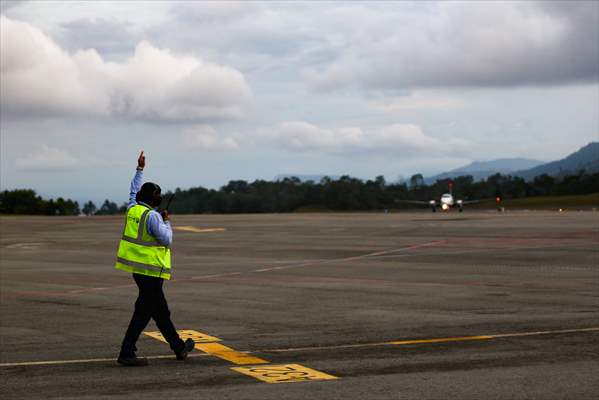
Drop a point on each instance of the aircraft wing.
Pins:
(470, 201)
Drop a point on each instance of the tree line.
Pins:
(348, 193)
(291, 194)
(27, 201)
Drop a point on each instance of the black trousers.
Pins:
(150, 303)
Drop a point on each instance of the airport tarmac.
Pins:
(410, 305)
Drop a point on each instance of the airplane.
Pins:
(446, 202)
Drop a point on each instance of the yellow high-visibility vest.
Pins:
(139, 252)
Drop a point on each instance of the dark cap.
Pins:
(149, 194)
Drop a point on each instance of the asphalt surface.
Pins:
(324, 291)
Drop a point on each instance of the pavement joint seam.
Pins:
(332, 347)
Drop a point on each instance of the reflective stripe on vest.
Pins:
(142, 254)
(141, 242)
(138, 265)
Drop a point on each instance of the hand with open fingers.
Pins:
(141, 161)
(166, 216)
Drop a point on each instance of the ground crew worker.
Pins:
(144, 251)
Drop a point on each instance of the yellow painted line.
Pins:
(198, 230)
(208, 345)
(442, 340)
(246, 356)
(86, 361)
(497, 336)
(436, 340)
(284, 373)
(501, 335)
(185, 334)
(332, 347)
(227, 353)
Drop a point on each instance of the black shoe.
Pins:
(133, 361)
(189, 345)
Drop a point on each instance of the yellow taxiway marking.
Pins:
(185, 334)
(208, 345)
(198, 230)
(284, 373)
(266, 373)
(227, 353)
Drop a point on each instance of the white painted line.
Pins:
(84, 361)
(195, 278)
(200, 277)
(353, 258)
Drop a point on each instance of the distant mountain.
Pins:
(482, 169)
(305, 178)
(587, 158)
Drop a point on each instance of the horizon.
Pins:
(221, 91)
(278, 177)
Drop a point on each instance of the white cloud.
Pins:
(419, 101)
(6, 4)
(378, 47)
(405, 140)
(206, 138)
(465, 44)
(40, 77)
(47, 158)
(300, 135)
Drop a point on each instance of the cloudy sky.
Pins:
(214, 91)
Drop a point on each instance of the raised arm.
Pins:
(137, 179)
